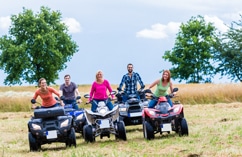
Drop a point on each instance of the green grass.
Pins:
(214, 130)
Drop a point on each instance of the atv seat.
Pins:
(49, 112)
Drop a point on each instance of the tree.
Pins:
(230, 55)
(37, 46)
(192, 54)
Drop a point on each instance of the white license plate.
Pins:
(166, 127)
(104, 124)
(51, 134)
(137, 114)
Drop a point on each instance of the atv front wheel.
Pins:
(88, 134)
(121, 130)
(183, 127)
(71, 138)
(148, 131)
(33, 145)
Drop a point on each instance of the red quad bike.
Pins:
(164, 118)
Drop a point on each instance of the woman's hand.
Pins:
(33, 106)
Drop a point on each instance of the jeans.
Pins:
(95, 102)
(73, 102)
(125, 97)
(154, 102)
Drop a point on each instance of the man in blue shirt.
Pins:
(130, 81)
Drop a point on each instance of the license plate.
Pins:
(166, 127)
(51, 134)
(137, 114)
(104, 124)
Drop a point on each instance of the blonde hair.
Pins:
(99, 72)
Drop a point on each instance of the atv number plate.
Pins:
(51, 134)
(104, 124)
(137, 114)
(165, 127)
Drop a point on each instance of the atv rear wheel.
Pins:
(148, 131)
(121, 131)
(71, 138)
(88, 134)
(33, 145)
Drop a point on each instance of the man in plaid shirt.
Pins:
(130, 80)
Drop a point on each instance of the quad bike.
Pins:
(103, 122)
(164, 118)
(50, 125)
(79, 119)
(131, 110)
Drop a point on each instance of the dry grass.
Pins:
(17, 98)
(215, 130)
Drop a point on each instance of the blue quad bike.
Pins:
(50, 125)
(79, 119)
(131, 110)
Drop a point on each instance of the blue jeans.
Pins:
(154, 102)
(125, 97)
(73, 102)
(95, 102)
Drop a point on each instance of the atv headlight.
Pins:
(36, 127)
(102, 111)
(122, 109)
(152, 113)
(79, 117)
(65, 123)
(175, 110)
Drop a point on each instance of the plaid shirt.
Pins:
(131, 83)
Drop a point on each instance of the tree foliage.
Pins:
(192, 55)
(38, 45)
(230, 55)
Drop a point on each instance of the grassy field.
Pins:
(214, 130)
(213, 113)
(18, 98)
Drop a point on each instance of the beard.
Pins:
(130, 70)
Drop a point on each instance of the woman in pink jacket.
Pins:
(99, 92)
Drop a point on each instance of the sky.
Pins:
(110, 34)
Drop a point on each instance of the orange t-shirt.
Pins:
(47, 97)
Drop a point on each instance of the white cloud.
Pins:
(73, 25)
(235, 16)
(218, 23)
(159, 31)
(5, 22)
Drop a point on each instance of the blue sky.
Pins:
(110, 34)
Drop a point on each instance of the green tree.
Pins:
(192, 55)
(230, 55)
(38, 45)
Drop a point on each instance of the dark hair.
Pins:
(129, 64)
(67, 75)
(40, 80)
